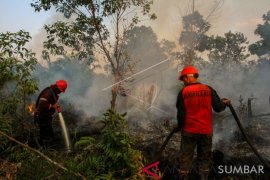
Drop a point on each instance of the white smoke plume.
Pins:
(84, 86)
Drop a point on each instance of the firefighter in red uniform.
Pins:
(46, 104)
(194, 114)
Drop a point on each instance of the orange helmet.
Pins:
(188, 70)
(62, 85)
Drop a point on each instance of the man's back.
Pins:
(198, 109)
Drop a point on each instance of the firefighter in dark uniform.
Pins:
(194, 114)
(46, 104)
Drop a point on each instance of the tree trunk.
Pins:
(114, 96)
(115, 92)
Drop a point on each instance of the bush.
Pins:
(16, 82)
(112, 156)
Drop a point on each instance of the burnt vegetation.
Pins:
(115, 135)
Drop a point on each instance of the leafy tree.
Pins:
(16, 82)
(90, 30)
(142, 45)
(228, 50)
(220, 50)
(77, 36)
(192, 35)
(168, 47)
(262, 47)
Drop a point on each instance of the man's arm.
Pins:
(217, 104)
(44, 102)
(180, 111)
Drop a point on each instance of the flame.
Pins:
(31, 108)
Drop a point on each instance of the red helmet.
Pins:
(62, 85)
(188, 70)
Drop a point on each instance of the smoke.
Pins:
(251, 81)
(84, 93)
(95, 101)
(238, 83)
(168, 24)
(84, 90)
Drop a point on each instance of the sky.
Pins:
(235, 15)
(18, 14)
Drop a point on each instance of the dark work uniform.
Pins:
(194, 114)
(44, 112)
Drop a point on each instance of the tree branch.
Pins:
(42, 155)
(97, 26)
(116, 53)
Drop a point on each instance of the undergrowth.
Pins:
(108, 156)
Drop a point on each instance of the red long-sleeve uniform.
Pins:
(194, 108)
(46, 100)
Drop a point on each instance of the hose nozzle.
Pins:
(58, 109)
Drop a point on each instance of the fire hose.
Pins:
(165, 143)
(241, 129)
(247, 139)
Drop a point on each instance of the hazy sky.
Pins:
(18, 14)
(235, 15)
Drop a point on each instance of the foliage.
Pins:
(227, 50)
(221, 51)
(142, 45)
(16, 82)
(112, 156)
(30, 166)
(78, 36)
(6, 127)
(90, 30)
(192, 35)
(168, 47)
(194, 28)
(17, 62)
(262, 47)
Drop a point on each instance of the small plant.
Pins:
(112, 156)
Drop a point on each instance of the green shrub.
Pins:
(111, 157)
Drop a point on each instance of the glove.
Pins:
(57, 107)
(226, 101)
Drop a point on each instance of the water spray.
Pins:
(62, 123)
(64, 128)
